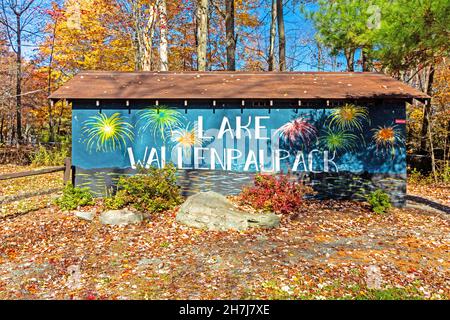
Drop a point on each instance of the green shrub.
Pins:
(74, 197)
(118, 201)
(379, 201)
(152, 190)
(417, 178)
(446, 174)
(50, 157)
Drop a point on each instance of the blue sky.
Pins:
(301, 49)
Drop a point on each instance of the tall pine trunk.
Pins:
(231, 37)
(281, 36)
(202, 33)
(273, 31)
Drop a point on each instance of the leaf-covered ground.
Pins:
(439, 193)
(17, 187)
(323, 254)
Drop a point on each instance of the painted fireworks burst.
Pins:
(349, 116)
(297, 129)
(338, 140)
(107, 133)
(386, 138)
(186, 138)
(161, 120)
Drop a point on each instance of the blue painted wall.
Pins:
(320, 143)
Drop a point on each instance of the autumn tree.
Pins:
(94, 38)
(80, 35)
(182, 31)
(18, 19)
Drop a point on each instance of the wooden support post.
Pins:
(67, 171)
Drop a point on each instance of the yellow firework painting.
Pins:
(349, 116)
(186, 138)
(107, 133)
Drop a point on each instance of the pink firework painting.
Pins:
(298, 129)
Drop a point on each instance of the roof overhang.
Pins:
(102, 85)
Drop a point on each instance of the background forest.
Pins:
(44, 43)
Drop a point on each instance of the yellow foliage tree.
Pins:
(86, 35)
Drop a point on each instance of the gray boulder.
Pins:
(121, 217)
(213, 211)
(89, 216)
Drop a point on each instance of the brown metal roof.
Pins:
(234, 85)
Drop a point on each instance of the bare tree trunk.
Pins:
(364, 60)
(163, 30)
(144, 28)
(208, 43)
(433, 160)
(63, 103)
(49, 87)
(19, 80)
(202, 33)
(138, 41)
(427, 110)
(447, 145)
(350, 57)
(333, 63)
(319, 57)
(148, 39)
(2, 126)
(273, 30)
(281, 36)
(231, 37)
(185, 44)
(13, 128)
(137, 53)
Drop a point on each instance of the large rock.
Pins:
(121, 217)
(213, 211)
(84, 215)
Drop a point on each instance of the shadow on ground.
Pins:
(429, 203)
